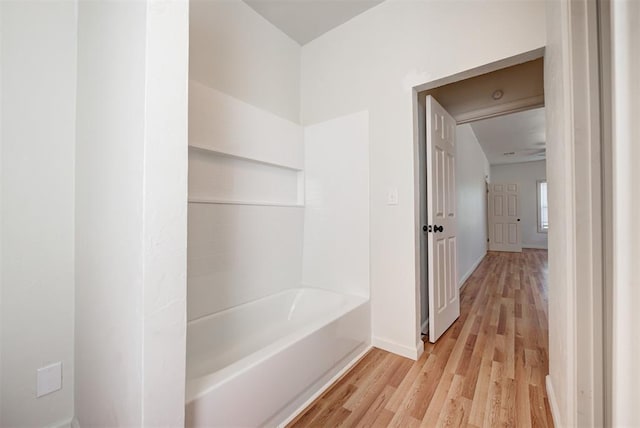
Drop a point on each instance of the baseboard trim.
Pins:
(470, 272)
(535, 246)
(553, 404)
(396, 348)
(328, 385)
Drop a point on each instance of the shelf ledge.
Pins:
(241, 157)
(253, 203)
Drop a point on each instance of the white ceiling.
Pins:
(522, 133)
(304, 20)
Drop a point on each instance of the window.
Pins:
(543, 209)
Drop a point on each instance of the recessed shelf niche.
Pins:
(217, 177)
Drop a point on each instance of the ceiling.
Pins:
(520, 86)
(513, 138)
(305, 20)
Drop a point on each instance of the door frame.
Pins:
(575, 176)
(419, 158)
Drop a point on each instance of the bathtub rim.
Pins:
(283, 291)
(197, 387)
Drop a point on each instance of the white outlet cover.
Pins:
(49, 379)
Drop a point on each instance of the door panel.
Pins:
(444, 300)
(504, 217)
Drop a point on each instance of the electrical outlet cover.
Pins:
(49, 379)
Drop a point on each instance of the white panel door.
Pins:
(444, 299)
(504, 217)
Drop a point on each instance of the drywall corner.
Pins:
(413, 353)
(553, 404)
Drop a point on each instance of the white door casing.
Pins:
(504, 217)
(444, 295)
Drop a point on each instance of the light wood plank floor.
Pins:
(487, 370)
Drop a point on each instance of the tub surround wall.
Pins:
(228, 125)
(336, 214)
(273, 206)
(239, 253)
(245, 202)
(246, 159)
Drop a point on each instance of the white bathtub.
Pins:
(256, 364)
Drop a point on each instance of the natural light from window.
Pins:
(543, 209)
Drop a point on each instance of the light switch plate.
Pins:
(49, 379)
(392, 196)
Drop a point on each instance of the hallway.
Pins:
(487, 370)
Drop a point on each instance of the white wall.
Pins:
(38, 59)
(626, 208)
(561, 381)
(245, 178)
(472, 171)
(560, 342)
(165, 212)
(526, 174)
(237, 51)
(131, 173)
(372, 63)
(336, 214)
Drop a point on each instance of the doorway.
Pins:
(478, 95)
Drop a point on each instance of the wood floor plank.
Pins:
(487, 370)
(407, 385)
(369, 417)
(455, 411)
(383, 419)
(494, 396)
(436, 404)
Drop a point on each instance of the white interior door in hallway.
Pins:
(504, 217)
(444, 295)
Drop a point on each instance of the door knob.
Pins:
(426, 228)
(518, 219)
(437, 228)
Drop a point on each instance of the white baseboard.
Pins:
(535, 246)
(326, 386)
(396, 348)
(466, 276)
(555, 411)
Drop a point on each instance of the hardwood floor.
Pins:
(487, 370)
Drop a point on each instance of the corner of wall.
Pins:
(413, 353)
(555, 410)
